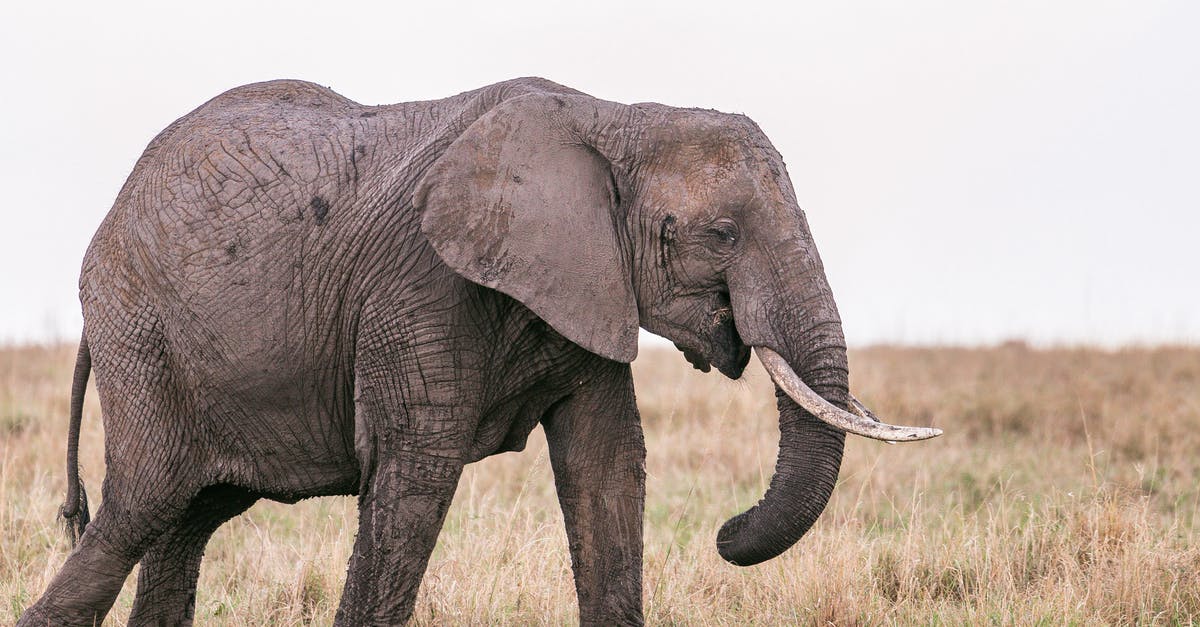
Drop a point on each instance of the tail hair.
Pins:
(75, 519)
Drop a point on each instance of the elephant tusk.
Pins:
(864, 424)
(858, 408)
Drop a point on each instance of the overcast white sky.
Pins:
(972, 171)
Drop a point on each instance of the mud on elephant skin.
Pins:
(297, 295)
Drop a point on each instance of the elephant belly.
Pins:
(283, 426)
(300, 460)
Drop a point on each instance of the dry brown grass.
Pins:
(1065, 490)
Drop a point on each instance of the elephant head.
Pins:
(602, 217)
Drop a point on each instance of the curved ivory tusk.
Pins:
(858, 408)
(865, 425)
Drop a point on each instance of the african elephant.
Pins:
(297, 295)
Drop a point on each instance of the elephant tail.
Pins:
(74, 513)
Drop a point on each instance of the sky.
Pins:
(973, 172)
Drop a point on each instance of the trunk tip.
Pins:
(732, 545)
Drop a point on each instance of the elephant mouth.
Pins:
(728, 353)
(695, 359)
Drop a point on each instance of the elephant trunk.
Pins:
(797, 332)
(810, 455)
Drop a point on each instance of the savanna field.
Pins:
(1065, 490)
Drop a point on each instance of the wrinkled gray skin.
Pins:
(296, 295)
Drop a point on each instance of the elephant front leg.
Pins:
(598, 455)
(402, 505)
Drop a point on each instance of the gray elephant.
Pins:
(295, 295)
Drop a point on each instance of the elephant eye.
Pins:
(724, 231)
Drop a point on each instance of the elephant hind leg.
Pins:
(85, 588)
(152, 475)
(166, 590)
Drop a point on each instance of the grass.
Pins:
(1065, 490)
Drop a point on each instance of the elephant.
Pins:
(296, 295)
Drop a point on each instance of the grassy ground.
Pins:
(1066, 489)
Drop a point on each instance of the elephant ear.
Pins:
(519, 203)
